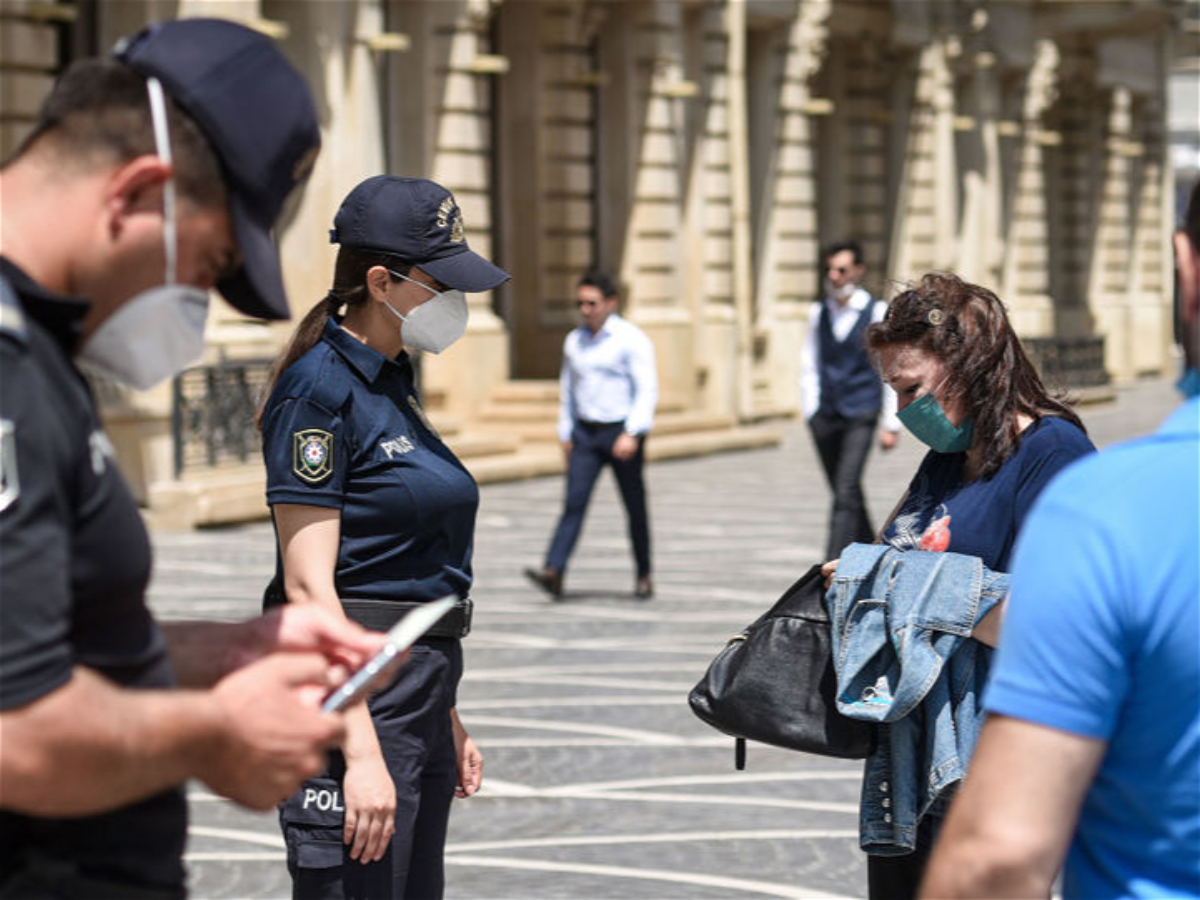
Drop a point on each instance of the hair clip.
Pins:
(935, 317)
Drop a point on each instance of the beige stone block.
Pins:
(718, 282)
(465, 171)
(715, 153)
(651, 216)
(571, 250)
(461, 90)
(655, 283)
(716, 218)
(573, 141)
(22, 93)
(567, 212)
(476, 217)
(718, 252)
(659, 149)
(793, 95)
(660, 113)
(795, 189)
(867, 136)
(573, 104)
(795, 158)
(795, 128)
(464, 131)
(466, 372)
(717, 183)
(717, 120)
(28, 44)
(922, 169)
(568, 178)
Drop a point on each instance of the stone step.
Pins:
(534, 460)
(526, 391)
(235, 494)
(546, 429)
(476, 444)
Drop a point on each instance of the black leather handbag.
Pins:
(775, 682)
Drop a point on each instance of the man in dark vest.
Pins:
(842, 395)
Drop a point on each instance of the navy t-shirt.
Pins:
(982, 518)
(74, 564)
(344, 429)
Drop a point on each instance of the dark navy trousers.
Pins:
(412, 720)
(591, 451)
(843, 444)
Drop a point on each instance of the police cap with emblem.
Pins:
(418, 221)
(258, 115)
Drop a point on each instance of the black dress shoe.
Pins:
(644, 589)
(549, 580)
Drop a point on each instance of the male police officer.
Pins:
(173, 157)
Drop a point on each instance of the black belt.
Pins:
(381, 615)
(587, 423)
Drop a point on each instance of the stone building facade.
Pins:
(702, 150)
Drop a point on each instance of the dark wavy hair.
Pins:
(966, 328)
(349, 289)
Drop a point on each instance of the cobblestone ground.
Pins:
(599, 782)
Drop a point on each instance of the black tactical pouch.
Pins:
(312, 820)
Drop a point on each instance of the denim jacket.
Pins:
(901, 643)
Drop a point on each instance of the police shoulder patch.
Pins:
(312, 455)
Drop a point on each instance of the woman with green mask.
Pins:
(996, 436)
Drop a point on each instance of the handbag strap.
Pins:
(891, 518)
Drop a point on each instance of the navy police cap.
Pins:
(419, 221)
(258, 114)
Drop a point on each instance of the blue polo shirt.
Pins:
(1102, 639)
(344, 429)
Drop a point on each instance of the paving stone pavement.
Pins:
(599, 782)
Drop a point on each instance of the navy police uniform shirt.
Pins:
(74, 564)
(344, 429)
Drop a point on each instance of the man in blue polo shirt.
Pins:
(1092, 750)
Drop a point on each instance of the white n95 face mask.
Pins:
(840, 293)
(160, 330)
(435, 324)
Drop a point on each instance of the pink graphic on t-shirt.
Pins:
(937, 536)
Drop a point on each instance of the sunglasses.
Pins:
(840, 270)
(580, 304)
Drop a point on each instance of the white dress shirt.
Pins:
(841, 321)
(608, 376)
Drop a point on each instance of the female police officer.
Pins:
(375, 514)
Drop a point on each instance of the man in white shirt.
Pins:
(842, 395)
(609, 387)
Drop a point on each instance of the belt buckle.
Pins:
(467, 607)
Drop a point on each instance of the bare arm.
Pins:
(987, 629)
(1010, 826)
(202, 653)
(308, 541)
(91, 746)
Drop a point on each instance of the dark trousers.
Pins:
(591, 451)
(412, 721)
(843, 444)
(899, 877)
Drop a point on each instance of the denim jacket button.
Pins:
(887, 817)
(887, 803)
(883, 787)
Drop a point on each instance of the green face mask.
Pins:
(927, 421)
